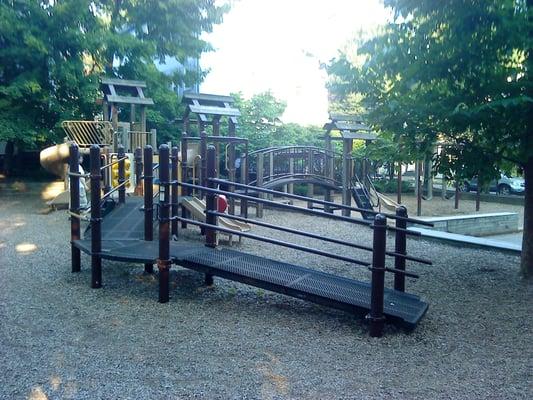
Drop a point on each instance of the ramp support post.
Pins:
(203, 160)
(148, 201)
(211, 206)
(184, 172)
(163, 262)
(400, 247)
(259, 183)
(74, 206)
(121, 174)
(96, 218)
(174, 191)
(376, 317)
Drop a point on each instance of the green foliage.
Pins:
(449, 73)
(52, 53)
(391, 186)
(261, 124)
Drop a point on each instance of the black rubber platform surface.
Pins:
(334, 291)
(122, 232)
(125, 221)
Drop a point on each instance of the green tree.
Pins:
(261, 124)
(456, 71)
(53, 51)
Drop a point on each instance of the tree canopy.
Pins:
(53, 51)
(261, 123)
(456, 72)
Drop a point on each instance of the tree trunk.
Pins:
(526, 266)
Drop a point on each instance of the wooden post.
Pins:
(418, 189)
(203, 160)
(400, 247)
(96, 220)
(259, 183)
(291, 171)
(184, 174)
(211, 205)
(310, 187)
(457, 195)
(75, 231)
(143, 119)
(376, 317)
(121, 174)
(148, 201)
(216, 132)
(231, 176)
(164, 262)
(174, 191)
(346, 175)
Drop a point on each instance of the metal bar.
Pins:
(322, 202)
(400, 247)
(319, 237)
(110, 192)
(119, 159)
(79, 216)
(376, 317)
(75, 230)
(96, 218)
(174, 190)
(77, 174)
(163, 262)
(121, 175)
(277, 242)
(211, 206)
(148, 201)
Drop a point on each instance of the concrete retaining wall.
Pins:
(477, 224)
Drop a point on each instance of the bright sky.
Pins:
(278, 45)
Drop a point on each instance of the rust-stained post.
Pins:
(400, 247)
(96, 219)
(163, 262)
(211, 205)
(376, 317)
(148, 200)
(121, 174)
(74, 161)
(174, 191)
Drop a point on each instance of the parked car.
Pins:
(505, 185)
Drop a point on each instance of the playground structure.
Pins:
(126, 233)
(107, 134)
(283, 167)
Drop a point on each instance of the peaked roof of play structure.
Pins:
(203, 104)
(124, 91)
(350, 127)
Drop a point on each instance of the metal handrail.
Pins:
(275, 241)
(319, 237)
(321, 214)
(322, 202)
(113, 190)
(113, 163)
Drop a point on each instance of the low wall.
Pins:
(476, 224)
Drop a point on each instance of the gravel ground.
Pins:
(59, 339)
